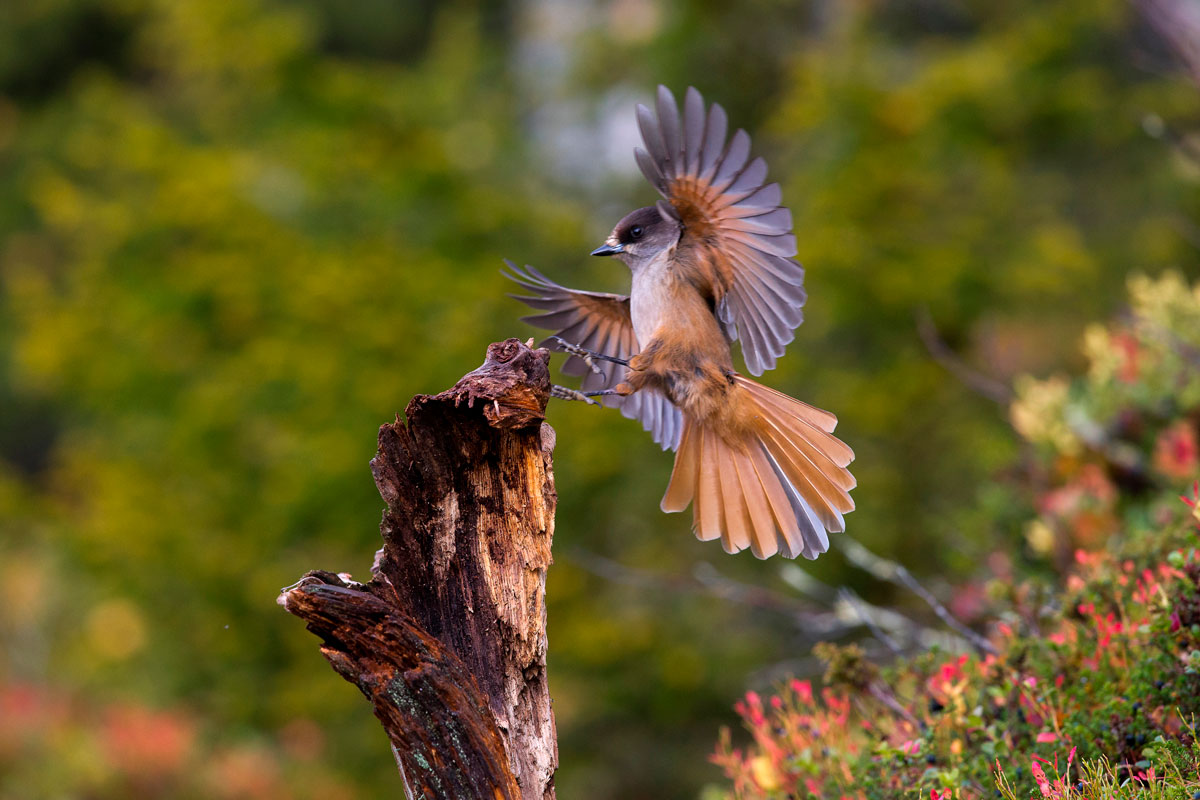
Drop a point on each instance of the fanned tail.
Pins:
(778, 487)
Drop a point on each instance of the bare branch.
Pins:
(913, 635)
(706, 580)
(890, 571)
(851, 597)
(941, 352)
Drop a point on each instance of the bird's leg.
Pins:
(589, 357)
(563, 393)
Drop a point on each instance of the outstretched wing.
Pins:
(736, 233)
(598, 322)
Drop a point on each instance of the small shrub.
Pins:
(1093, 690)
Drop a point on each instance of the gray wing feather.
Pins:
(652, 136)
(714, 141)
(733, 161)
(750, 178)
(693, 130)
(668, 120)
(599, 322)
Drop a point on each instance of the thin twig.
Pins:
(890, 571)
(848, 595)
(913, 633)
(723, 586)
(706, 580)
(942, 353)
(844, 615)
(883, 694)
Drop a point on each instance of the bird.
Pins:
(712, 262)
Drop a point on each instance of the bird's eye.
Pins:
(635, 232)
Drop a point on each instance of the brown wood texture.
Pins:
(448, 638)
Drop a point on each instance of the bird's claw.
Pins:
(563, 393)
(589, 357)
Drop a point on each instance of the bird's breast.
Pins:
(648, 309)
(651, 298)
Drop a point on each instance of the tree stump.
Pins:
(448, 638)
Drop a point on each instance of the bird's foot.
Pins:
(589, 357)
(563, 393)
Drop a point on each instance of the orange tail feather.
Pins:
(781, 488)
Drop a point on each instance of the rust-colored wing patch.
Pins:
(737, 235)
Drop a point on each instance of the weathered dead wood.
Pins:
(443, 734)
(448, 639)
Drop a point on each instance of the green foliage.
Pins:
(237, 235)
(1094, 688)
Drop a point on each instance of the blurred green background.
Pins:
(236, 236)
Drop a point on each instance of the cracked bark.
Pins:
(448, 638)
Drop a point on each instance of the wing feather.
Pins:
(599, 322)
(764, 198)
(693, 131)
(737, 234)
(734, 160)
(648, 166)
(749, 179)
(714, 141)
(771, 223)
(668, 121)
(652, 137)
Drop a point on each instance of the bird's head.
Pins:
(641, 236)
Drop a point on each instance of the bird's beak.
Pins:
(608, 249)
